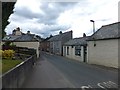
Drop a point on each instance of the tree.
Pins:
(7, 10)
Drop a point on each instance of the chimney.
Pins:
(13, 32)
(28, 32)
(18, 29)
(84, 35)
(60, 32)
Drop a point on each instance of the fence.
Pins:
(22, 50)
(25, 50)
(16, 76)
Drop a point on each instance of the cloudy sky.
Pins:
(50, 17)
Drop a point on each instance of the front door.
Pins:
(85, 53)
(64, 51)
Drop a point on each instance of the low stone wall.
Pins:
(15, 77)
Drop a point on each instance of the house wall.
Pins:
(72, 53)
(104, 53)
(45, 46)
(51, 47)
(34, 45)
(57, 47)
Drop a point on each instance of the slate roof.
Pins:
(77, 41)
(27, 37)
(110, 31)
(60, 36)
(11, 37)
(20, 38)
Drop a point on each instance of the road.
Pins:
(52, 71)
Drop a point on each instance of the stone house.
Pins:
(57, 41)
(45, 44)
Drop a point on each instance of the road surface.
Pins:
(52, 71)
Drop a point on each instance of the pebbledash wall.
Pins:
(104, 53)
(72, 53)
(34, 45)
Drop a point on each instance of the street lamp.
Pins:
(93, 25)
(93, 30)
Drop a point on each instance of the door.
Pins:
(85, 53)
(64, 51)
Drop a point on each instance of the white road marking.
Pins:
(84, 87)
(99, 84)
(103, 85)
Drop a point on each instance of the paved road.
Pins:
(53, 71)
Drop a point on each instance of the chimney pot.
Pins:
(28, 32)
(60, 32)
(84, 35)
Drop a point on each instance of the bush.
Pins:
(8, 54)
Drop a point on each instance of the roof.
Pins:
(107, 32)
(27, 37)
(77, 41)
(11, 37)
(47, 39)
(59, 37)
(21, 38)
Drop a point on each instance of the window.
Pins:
(67, 50)
(78, 50)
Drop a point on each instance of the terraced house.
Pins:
(76, 49)
(103, 46)
(57, 41)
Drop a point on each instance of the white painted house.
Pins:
(76, 49)
(23, 40)
(104, 45)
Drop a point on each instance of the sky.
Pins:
(46, 17)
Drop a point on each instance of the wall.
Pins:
(34, 45)
(72, 53)
(15, 77)
(57, 47)
(45, 46)
(104, 53)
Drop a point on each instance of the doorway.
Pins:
(85, 54)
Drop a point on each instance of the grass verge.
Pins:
(9, 64)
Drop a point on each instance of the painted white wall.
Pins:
(18, 33)
(104, 53)
(72, 53)
(34, 45)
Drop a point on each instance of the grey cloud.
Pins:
(26, 13)
(49, 14)
(47, 30)
(52, 13)
(48, 17)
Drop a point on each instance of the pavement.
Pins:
(52, 71)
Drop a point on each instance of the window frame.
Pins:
(78, 50)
